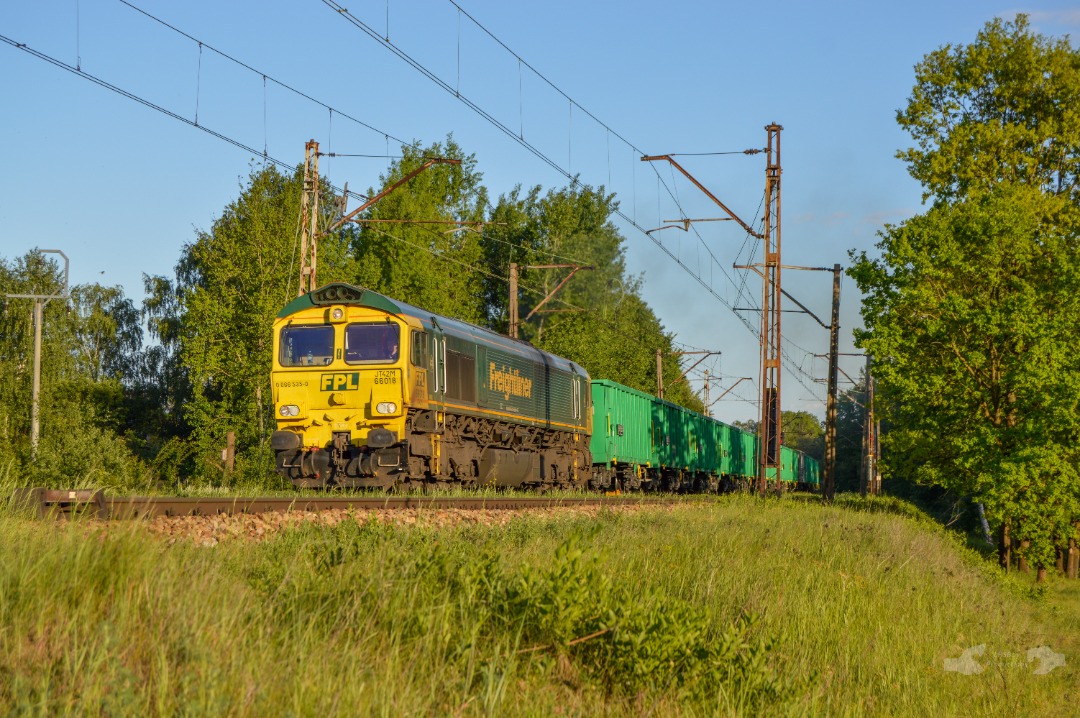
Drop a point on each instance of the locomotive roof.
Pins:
(352, 295)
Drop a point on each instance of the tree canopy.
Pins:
(216, 315)
(1003, 109)
(599, 318)
(970, 308)
(408, 247)
(163, 410)
(91, 345)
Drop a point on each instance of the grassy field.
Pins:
(735, 606)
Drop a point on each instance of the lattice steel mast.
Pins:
(769, 427)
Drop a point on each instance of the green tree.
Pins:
(570, 225)
(970, 308)
(89, 344)
(419, 257)
(850, 420)
(215, 318)
(602, 322)
(970, 316)
(805, 432)
(108, 332)
(1000, 110)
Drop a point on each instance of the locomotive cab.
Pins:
(342, 385)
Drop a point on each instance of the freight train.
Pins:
(372, 392)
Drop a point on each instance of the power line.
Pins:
(265, 154)
(518, 137)
(142, 101)
(260, 73)
(498, 277)
(611, 131)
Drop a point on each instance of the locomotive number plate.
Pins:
(386, 376)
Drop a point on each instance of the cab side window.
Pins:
(418, 349)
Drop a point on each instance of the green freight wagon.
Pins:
(745, 455)
(809, 472)
(640, 441)
(622, 443)
(789, 465)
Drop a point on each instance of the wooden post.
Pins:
(829, 488)
(866, 467)
(1072, 568)
(230, 451)
(1005, 547)
(659, 375)
(513, 308)
(1023, 564)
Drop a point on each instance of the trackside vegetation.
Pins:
(970, 308)
(734, 606)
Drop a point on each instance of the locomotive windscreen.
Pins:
(372, 342)
(307, 345)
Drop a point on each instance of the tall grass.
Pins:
(737, 606)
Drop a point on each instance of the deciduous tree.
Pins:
(970, 315)
(217, 313)
(602, 322)
(429, 263)
(970, 309)
(1003, 109)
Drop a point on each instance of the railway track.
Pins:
(63, 503)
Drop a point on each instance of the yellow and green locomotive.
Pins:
(373, 392)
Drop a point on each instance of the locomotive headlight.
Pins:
(337, 313)
(386, 407)
(289, 410)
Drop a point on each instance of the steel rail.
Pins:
(62, 503)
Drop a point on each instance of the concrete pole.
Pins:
(39, 319)
(35, 401)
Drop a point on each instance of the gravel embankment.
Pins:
(211, 530)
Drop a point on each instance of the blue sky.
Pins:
(121, 187)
